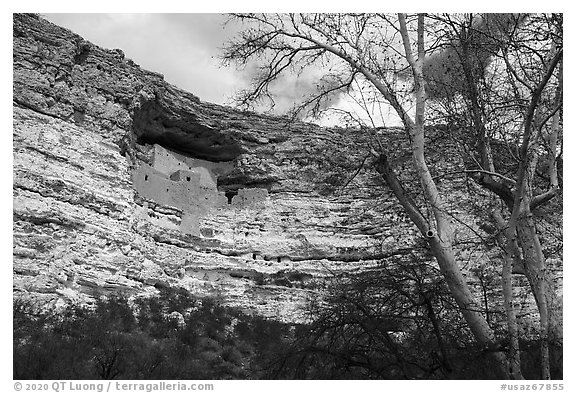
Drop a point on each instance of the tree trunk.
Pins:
(444, 360)
(440, 239)
(535, 269)
(509, 257)
(513, 345)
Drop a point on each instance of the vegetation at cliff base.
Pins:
(170, 336)
(406, 329)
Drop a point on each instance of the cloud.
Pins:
(185, 49)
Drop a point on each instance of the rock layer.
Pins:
(87, 124)
(87, 119)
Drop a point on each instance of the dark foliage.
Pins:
(395, 322)
(145, 340)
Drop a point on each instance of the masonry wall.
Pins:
(185, 183)
(154, 185)
(168, 162)
(187, 176)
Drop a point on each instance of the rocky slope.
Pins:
(86, 118)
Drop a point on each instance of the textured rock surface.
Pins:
(85, 120)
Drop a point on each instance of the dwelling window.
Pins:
(188, 178)
(230, 195)
(166, 190)
(278, 259)
(254, 256)
(145, 177)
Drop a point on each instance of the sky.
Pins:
(185, 48)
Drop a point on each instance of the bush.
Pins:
(114, 340)
(396, 322)
(380, 325)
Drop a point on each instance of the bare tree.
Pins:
(523, 85)
(396, 321)
(388, 54)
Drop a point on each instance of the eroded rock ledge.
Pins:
(248, 214)
(89, 127)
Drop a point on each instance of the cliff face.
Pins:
(97, 208)
(124, 183)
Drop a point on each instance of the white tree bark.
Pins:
(440, 238)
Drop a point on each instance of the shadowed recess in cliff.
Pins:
(155, 124)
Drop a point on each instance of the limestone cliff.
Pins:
(123, 182)
(90, 126)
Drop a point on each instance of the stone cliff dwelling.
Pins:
(190, 184)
